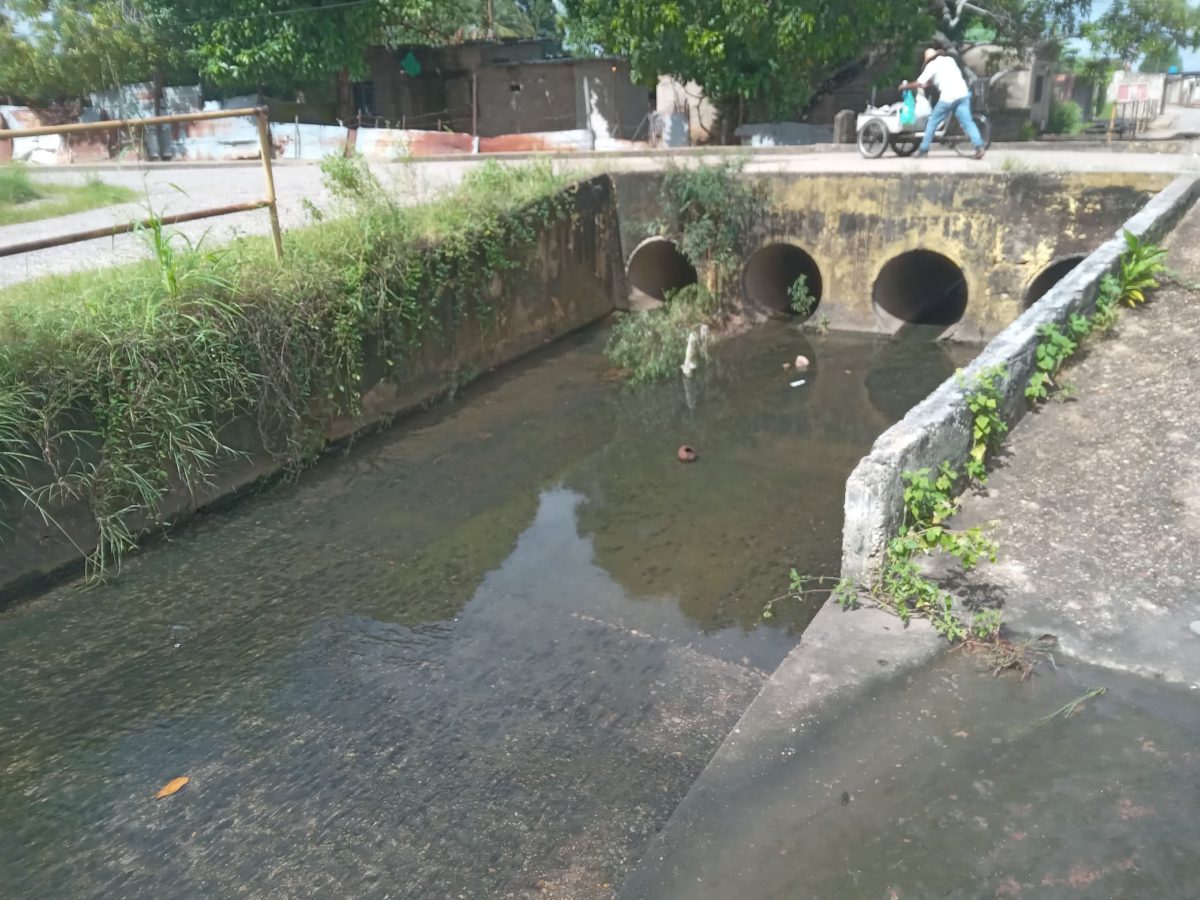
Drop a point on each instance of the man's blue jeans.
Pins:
(941, 112)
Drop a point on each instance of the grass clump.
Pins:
(119, 387)
(16, 187)
(18, 194)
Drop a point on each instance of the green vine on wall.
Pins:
(118, 388)
(1139, 271)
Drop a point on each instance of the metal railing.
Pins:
(264, 145)
(1134, 115)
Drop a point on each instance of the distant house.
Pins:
(1020, 87)
(500, 88)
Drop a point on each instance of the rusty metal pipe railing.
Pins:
(125, 228)
(264, 147)
(110, 124)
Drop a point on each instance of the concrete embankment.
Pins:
(939, 429)
(874, 763)
(567, 276)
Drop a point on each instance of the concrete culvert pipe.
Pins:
(921, 287)
(656, 268)
(771, 272)
(1049, 277)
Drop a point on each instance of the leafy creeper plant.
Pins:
(987, 424)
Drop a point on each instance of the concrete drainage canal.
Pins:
(488, 653)
(484, 655)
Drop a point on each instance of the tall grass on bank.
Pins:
(18, 193)
(119, 386)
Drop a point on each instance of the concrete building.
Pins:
(1019, 88)
(1130, 87)
(508, 87)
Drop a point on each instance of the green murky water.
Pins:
(484, 654)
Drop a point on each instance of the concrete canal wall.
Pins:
(939, 428)
(570, 275)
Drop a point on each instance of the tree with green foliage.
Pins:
(751, 58)
(1130, 29)
(1160, 60)
(55, 48)
(52, 49)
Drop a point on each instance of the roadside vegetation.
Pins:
(904, 585)
(117, 387)
(22, 199)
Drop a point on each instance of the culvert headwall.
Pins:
(1000, 229)
(938, 429)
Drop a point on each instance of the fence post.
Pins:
(264, 148)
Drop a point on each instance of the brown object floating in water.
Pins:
(686, 454)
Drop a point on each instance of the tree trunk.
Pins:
(344, 110)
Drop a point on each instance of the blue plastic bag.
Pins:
(908, 110)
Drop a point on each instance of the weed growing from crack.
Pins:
(988, 427)
(1140, 268)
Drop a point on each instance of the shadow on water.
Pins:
(487, 651)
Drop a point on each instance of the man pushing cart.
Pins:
(911, 126)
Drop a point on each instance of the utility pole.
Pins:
(491, 20)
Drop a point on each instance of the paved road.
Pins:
(172, 189)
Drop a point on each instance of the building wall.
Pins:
(676, 98)
(517, 92)
(1138, 86)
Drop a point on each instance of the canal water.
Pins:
(484, 654)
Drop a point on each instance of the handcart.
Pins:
(880, 128)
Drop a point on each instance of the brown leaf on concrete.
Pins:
(172, 787)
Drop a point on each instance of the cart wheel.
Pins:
(903, 147)
(872, 138)
(963, 147)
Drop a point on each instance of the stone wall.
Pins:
(939, 428)
(568, 278)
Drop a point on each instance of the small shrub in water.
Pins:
(653, 344)
(800, 299)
